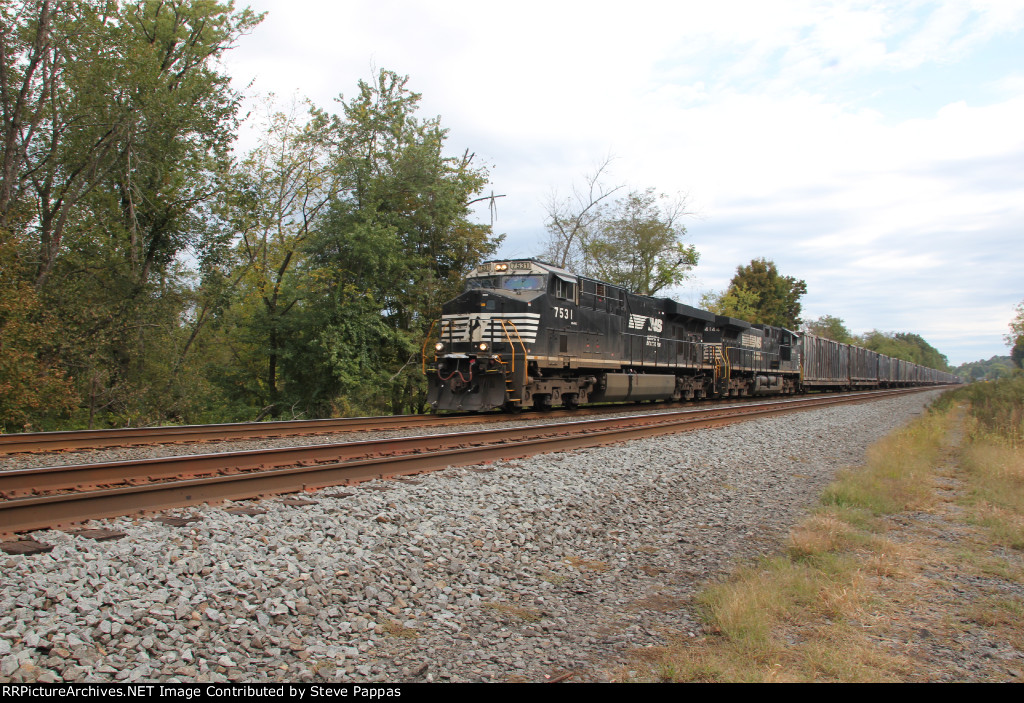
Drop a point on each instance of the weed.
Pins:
(516, 611)
(587, 564)
(396, 629)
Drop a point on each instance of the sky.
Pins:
(874, 150)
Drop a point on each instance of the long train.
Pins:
(526, 333)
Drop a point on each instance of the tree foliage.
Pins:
(112, 110)
(395, 244)
(574, 220)
(275, 198)
(350, 231)
(986, 370)
(907, 346)
(1015, 339)
(32, 382)
(117, 120)
(638, 245)
(635, 241)
(759, 294)
(831, 328)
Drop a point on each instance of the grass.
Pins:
(587, 564)
(869, 571)
(393, 628)
(996, 500)
(516, 611)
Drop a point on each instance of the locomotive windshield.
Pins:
(521, 282)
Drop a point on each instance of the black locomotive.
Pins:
(526, 333)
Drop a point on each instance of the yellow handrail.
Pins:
(511, 342)
(721, 360)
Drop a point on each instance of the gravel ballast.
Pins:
(524, 570)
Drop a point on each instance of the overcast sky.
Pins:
(873, 149)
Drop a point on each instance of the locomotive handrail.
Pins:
(721, 358)
(512, 343)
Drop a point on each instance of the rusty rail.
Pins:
(352, 462)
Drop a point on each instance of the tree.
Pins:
(735, 301)
(759, 294)
(1015, 339)
(831, 328)
(905, 345)
(394, 245)
(116, 119)
(638, 244)
(107, 94)
(986, 370)
(276, 196)
(32, 381)
(574, 220)
(634, 241)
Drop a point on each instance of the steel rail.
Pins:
(27, 514)
(81, 477)
(127, 436)
(39, 442)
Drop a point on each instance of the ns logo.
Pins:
(639, 322)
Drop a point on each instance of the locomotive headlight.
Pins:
(483, 346)
(439, 347)
(501, 267)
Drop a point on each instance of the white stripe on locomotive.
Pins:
(456, 327)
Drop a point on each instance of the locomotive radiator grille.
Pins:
(486, 327)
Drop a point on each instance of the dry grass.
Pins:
(996, 471)
(393, 628)
(838, 605)
(587, 564)
(516, 611)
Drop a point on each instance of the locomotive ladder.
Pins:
(510, 375)
(722, 370)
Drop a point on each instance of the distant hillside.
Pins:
(990, 370)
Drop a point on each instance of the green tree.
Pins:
(277, 194)
(33, 383)
(573, 221)
(735, 301)
(1015, 339)
(986, 370)
(395, 245)
(99, 93)
(634, 241)
(116, 120)
(905, 345)
(638, 244)
(831, 328)
(759, 294)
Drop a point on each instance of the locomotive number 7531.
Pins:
(563, 313)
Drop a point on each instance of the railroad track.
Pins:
(135, 436)
(75, 440)
(55, 497)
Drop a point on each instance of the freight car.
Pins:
(526, 333)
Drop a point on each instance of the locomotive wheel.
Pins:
(570, 401)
